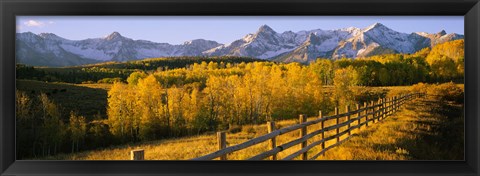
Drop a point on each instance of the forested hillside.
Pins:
(109, 72)
(163, 98)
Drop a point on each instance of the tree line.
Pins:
(442, 63)
(42, 130)
(110, 72)
(209, 96)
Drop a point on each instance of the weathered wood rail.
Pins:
(372, 112)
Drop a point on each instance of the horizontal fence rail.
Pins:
(370, 113)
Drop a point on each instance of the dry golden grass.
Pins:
(411, 133)
(196, 146)
(425, 129)
(103, 86)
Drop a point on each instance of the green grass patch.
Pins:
(85, 99)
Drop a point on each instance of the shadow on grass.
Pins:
(85, 101)
(438, 132)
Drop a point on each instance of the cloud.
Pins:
(34, 23)
(19, 27)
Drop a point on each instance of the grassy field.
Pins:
(90, 100)
(196, 146)
(425, 128)
(87, 99)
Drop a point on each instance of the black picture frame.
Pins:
(470, 9)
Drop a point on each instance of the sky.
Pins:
(223, 29)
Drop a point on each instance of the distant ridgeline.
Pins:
(109, 72)
(443, 62)
(47, 49)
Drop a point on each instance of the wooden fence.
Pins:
(370, 113)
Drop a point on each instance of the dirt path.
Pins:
(425, 129)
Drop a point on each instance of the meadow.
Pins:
(164, 105)
(431, 122)
(426, 123)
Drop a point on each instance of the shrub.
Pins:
(420, 88)
(234, 129)
(363, 94)
(109, 80)
(248, 129)
(397, 92)
(447, 92)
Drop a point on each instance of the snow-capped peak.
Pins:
(26, 35)
(376, 26)
(201, 43)
(50, 36)
(265, 43)
(113, 36)
(190, 42)
(424, 34)
(265, 29)
(45, 35)
(442, 33)
(351, 29)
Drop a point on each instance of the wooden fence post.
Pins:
(394, 100)
(394, 103)
(374, 112)
(379, 103)
(358, 116)
(222, 143)
(384, 101)
(366, 113)
(388, 106)
(338, 121)
(138, 154)
(303, 132)
(382, 109)
(400, 100)
(391, 105)
(379, 115)
(347, 110)
(320, 115)
(387, 109)
(273, 142)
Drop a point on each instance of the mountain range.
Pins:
(47, 49)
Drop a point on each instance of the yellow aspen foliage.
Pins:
(148, 107)
(447, 60)
(345, 79)
(120, 110)
(134, 77)
(454, 50)
(78, 129)
(176, 108)
(22, 106)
